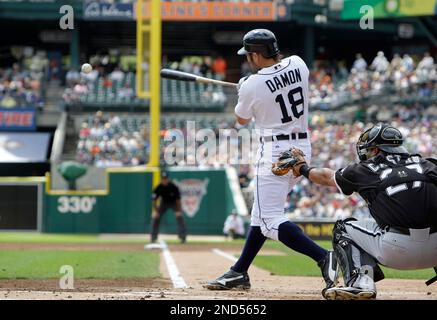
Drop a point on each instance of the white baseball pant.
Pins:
(271, 191)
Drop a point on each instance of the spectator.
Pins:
(205, 67)
(21, 87)
(407, 63)
(396, 62)
(186, 66)
(219, 67)
(92, 76)
(84, 131)
(126, 92)
(234, 226)
(244, 180)
(380, 63)
(359, 64)
(117, 75)
(427, 62)
(8, 102)
(72, 77)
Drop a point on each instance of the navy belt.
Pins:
(292, 136)
(406, 231)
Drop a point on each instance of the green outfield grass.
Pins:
(120, 264)
(281, 247)
(296, 264)
(28, 264)
(34, 237)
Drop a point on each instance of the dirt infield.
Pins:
(197, 264)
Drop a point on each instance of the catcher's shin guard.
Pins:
(352, 259)
(357, 266)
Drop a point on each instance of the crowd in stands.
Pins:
(334, 85)
(112, 82)
(109, 141)
(333, 146)
(208, 66)
(21, 84)
(116, 87)
(218, 127)
(331, 84)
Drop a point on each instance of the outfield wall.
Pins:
(125, 205)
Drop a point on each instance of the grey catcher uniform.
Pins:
(401, 192)
(402, 198)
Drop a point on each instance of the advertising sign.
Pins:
(17, 119)
(389, 8)
(95, 10)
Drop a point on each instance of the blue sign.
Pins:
(17, 119)
(94, 10)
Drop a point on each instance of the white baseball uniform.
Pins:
(235, 224)
(277, 98)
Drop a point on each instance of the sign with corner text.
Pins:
(221, 11)
(17, 119)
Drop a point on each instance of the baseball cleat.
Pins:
(230, 280)
(349, 293)
(330, 270)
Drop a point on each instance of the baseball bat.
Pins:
(185, 76)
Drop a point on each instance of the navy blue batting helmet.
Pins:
(261, 41)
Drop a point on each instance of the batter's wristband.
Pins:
(305, 170)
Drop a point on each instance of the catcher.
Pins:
(401, 192)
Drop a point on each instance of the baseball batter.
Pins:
(401, 192)
(276, 97)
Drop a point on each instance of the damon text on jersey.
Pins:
(284, 79)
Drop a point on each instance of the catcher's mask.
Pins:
(382, 136)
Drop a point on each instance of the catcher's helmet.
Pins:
(384, 137)
(261, 41)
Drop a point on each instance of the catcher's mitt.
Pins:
(288, 160)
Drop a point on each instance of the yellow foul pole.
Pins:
(155, 81)
(152, 27)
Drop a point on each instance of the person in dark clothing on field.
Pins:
(167, 196)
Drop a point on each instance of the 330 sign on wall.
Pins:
(76, 204)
